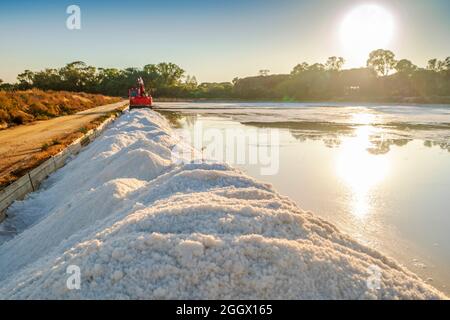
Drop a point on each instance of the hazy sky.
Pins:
(215, 40)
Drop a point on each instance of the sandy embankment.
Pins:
(21, 145)
(139, 225)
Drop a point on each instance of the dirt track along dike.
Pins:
(24, 144)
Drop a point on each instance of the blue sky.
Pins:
(213, 40)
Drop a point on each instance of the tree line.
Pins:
(384, 78)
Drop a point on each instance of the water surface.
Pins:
(381, 173)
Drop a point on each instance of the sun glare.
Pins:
(361, 171)
(366, 28)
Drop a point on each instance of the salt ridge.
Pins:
(142, 226)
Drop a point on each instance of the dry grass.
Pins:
(20, 107)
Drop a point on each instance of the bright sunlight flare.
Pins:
(366, 28)
(360, 170)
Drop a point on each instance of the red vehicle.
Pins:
(138, 97)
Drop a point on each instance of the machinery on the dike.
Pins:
(138, 97)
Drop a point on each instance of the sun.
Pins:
(366, 28)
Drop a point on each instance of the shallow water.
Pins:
(381, 173)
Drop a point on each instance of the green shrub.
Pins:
(83, 130)
(45, 146)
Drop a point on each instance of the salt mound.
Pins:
(159, 230)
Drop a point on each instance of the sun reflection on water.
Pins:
(360, 170)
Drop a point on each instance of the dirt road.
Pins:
(21, 144)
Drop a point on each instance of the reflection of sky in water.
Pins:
(381, 174)
(391, 124)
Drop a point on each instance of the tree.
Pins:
(405, 66)
(191, 82)
(301, 67)
(111, 81)
(170, 73)
(77, 76)
(259, 87)
(316, 81)
(436, 65)
(382, 61)
(264, 72)
(164, 74)
(25, 79)
(432, 64)
(334, 63)
(316, 67)
(447, 64)
(214, 90)
(151, 75)
(49, 79)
